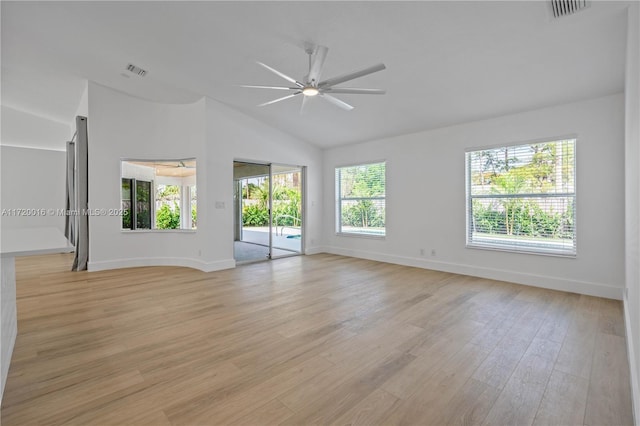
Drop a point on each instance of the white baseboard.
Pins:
(553, 283)
(161, 261)
(633, 367)
(315, 250)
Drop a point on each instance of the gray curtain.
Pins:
(82, 196)
(70, 201)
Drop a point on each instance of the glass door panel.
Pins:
(286, 190)
(252, 203)
(143, 204)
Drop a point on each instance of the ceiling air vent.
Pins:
(136, 70)
(562, 8)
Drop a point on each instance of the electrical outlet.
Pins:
(421, 252)
(433, 252)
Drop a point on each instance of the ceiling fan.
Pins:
(180, 164)
(186, 166)
(311, 85)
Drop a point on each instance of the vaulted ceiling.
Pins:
(447, 62)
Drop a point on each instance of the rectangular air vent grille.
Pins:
(562, 8)
(136, 70)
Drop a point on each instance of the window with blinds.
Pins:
(360, 203)
(522, 198)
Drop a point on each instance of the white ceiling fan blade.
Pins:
(336, 101)
(354, 91)
(269, 87)
(317, 62)
(286, 77)
(351, 76)
(280, 99)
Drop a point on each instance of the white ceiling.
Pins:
(447, 62)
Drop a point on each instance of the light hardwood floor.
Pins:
(309, 340)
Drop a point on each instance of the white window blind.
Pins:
(360, 200)
(522, 198)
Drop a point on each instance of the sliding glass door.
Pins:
(268, 214)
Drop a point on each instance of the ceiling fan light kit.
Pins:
(310, 91)
(311, 84)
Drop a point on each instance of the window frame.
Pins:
(339, 199)
(542, 248)
(133, 201)
(184, 220)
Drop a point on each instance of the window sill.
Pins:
(357, 235)
(522, 250)
(158, 231)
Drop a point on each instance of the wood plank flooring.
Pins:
(317, 339)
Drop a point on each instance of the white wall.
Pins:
(83, 106)
(121, 126)
(24, 129)
(426, 198)
(32, 179)
(8, 317)
(632, 197)
(234, 136)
